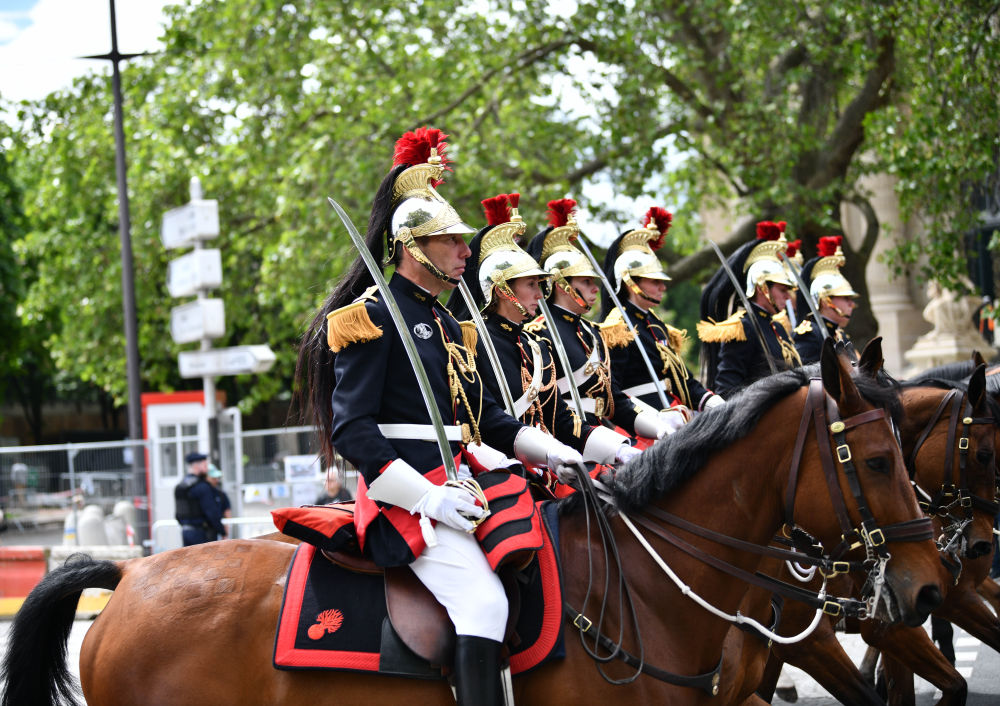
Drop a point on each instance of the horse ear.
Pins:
(977, 386)
(977, 359)
(871, 360)
(836, 373)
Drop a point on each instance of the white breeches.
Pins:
(457, 573)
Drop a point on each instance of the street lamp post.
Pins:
(128, 273)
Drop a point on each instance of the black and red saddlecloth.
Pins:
(335, 618)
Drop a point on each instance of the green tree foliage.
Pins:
(761, 109)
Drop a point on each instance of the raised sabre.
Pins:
(550, 324)
(657, 382)
(746, 303)
(491, 351)
(404, 333)
(805, 293)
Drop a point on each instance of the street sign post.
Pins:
(238, 360)
(200, 269)
(193, 222)
(198, 320)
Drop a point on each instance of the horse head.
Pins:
(868, 487)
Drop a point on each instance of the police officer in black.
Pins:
(732, 355)
(195, 506)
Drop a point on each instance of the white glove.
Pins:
(713, 400)
(563, 460)
(674, 418)
(533, 446)
(449, 505)
(649, 425)
(626, 452)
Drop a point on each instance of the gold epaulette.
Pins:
(351, 324)
(535, 326)
(782, 318)
(719, 332)
(805, 326)
(470, 336)
(678, 337)
(614, 331)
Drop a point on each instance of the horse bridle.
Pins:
(950, 500)
(823, 413)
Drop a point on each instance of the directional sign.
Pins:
(239, 360)
(201, 269)
(202, 318)
(196, 220)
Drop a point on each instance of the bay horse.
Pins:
(195, 626)
(931, 438)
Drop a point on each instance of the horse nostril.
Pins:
(978, 549)
(928, 599)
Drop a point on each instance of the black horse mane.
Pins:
(947, 383)
(677, 458)
(949, 371)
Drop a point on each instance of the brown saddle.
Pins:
(419, 620)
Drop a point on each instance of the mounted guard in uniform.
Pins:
(367, 401)
(507, 283)
(634, 270)
(833, 297)
(574, 293)
(741, 346)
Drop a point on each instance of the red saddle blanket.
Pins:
(333, 617)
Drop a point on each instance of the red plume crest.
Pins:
(560, 210)
(793, 247)
(768, 230)
(415, 148)
(660, 218)
(497, 210)
(828, 245)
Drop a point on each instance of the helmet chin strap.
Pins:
(637, 290)
(840, 312)
(503, 290)
(406, 238)
(575, 294)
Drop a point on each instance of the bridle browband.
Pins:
(820, 409)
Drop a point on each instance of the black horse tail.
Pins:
(34, 670)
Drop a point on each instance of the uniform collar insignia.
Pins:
(413, 290)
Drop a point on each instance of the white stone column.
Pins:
(895, 302)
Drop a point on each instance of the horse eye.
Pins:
(878, 464)
(984, 456)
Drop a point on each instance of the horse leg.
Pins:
(869, 663)
(753, 700)
(823, 657)
(990, 590)
(967, 610)
(769, 680)
(906, 651)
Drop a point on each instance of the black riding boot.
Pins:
(477, 671)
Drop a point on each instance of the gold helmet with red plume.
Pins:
(635, 251)
(763, 266)
(500, 258)
(827, 281)
(555, 250)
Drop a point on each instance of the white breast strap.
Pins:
(522, 403)
(581, 374)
